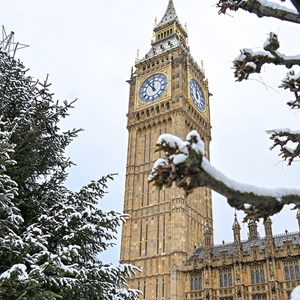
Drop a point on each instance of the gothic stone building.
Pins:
(162, 236)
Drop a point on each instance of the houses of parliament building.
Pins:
(169, 236)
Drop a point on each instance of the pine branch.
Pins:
(186, 165)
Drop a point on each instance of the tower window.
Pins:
(150, 145)
(146, 239)
(148, 194)
(141, 239)
(164, 234)
(144, 293)
(157, 237)
(145, 145)
(143, 189)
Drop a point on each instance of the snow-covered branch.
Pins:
(186, 165)
(250, 61)
(288, 141)
(292, 82)
(262, 8)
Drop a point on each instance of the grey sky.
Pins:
(88, 49)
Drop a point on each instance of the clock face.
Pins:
(153, 87)
(197, 94)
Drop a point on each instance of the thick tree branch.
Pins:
(257, 8)
(186, 165)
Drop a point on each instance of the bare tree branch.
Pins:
(292, 82)
(255, 7)
(288, 141)
(186, 165)
(250, 61)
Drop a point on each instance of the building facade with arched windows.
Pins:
(258, 268)
(170, 236)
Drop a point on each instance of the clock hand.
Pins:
(152, 86)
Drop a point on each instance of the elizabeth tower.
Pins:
(168, 94)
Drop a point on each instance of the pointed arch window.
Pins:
(192, 284)
(221, 280)
(287, 273)
(292, 273)
(297, 271)
(229, 279)
(257, 275)
(225, 278)
(252, 277)
(291, 270)
(262, 276)
(196, 282)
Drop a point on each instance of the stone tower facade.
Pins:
(170, 236)
(168, 94)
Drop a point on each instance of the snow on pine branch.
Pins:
(186, 165)
(262, 8)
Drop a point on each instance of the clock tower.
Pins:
(168, 94)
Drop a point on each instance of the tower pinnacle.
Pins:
(235, 224)
(169, 16)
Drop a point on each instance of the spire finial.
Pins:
(169, 16)
(235, 221)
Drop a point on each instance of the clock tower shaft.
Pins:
(163, 226)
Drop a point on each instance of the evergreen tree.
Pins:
(50, 237)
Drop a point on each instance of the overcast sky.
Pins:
(88, 48)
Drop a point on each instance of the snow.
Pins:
(276, 6)
(251, 65)
(173, 142)
(247, 188)
(291, 75)
(282, 130)
(199, 146)
(178, 158)
(242, 56)
(295, 295)
(20, 268)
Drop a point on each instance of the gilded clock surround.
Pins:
(167, 94)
